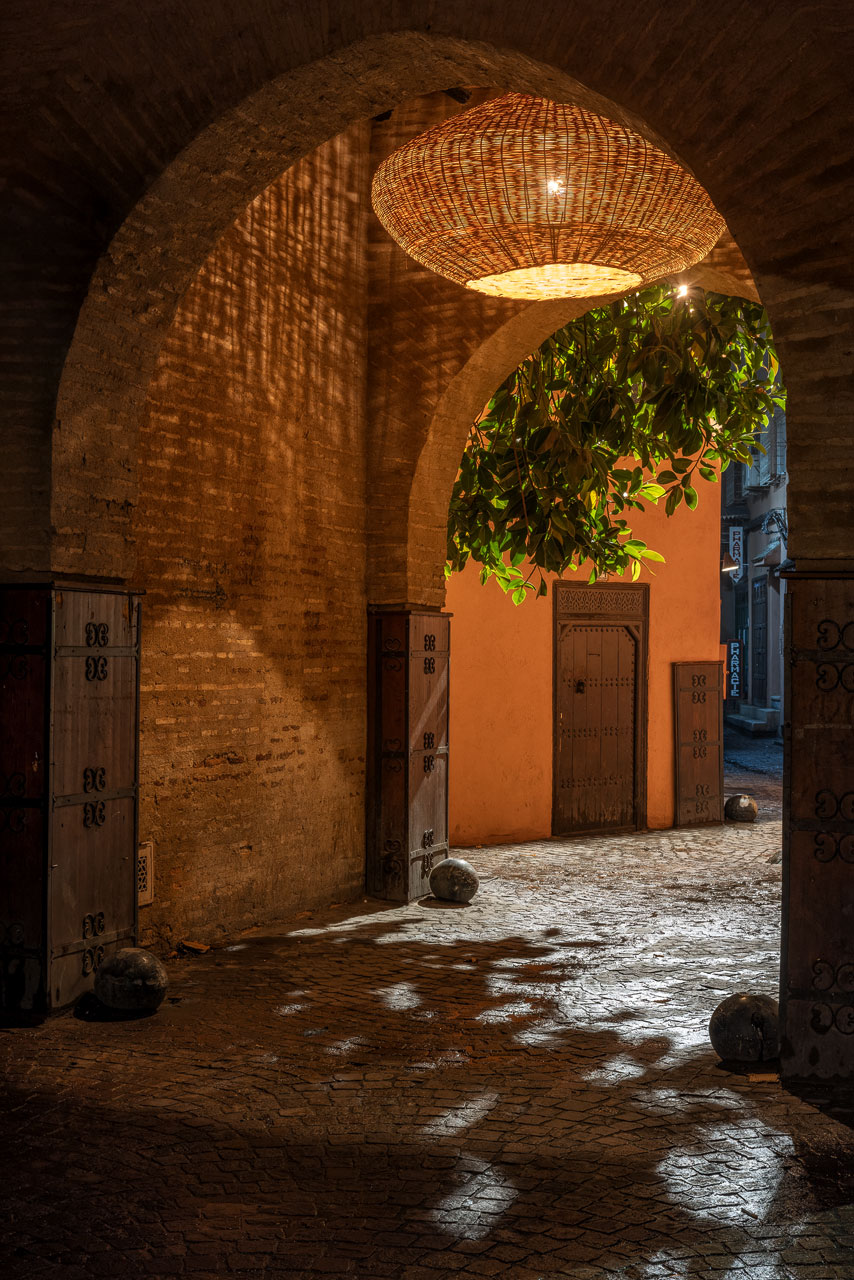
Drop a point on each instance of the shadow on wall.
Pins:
(250, 532)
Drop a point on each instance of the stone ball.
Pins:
(746, 1028)
(454, 880)
(740, 809)
(131, 979)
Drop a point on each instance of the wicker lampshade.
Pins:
(526, 198)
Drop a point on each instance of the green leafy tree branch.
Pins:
(635, 402)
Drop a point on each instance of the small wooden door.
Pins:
(600, 641)
(698, 700)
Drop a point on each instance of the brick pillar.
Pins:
(817, 963)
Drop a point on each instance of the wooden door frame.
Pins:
(616, 603)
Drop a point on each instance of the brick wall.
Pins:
(250, 546)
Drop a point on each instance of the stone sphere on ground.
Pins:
(745, 1028)
(740, 809)
(454, 880)
(131, 979)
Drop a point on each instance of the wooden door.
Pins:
(92, 878)
(698, 699)
(600, 704)
(407, 782)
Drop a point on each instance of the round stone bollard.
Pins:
(740, 809)
(454, 880)
(745, 1028)
(133, 980)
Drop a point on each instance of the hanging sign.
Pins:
(733, 669)
(736, 550)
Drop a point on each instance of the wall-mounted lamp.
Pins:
(728, 565)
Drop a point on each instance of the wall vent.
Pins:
(145, 874)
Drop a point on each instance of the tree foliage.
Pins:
(636, 402)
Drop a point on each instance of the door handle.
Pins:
(580, 686)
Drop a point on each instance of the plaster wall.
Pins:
(501, 680)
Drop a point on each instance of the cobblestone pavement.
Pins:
(519, 1088)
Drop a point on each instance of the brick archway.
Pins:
(169, 234)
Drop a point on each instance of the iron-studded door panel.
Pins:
(698, 697)
(91, 909)
(817, 963)
(93, 754)
(600, 707)
(597, 673)
(407, 824)
(428, 739)
(68, 758)
(95, 620)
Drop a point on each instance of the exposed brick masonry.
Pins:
(250, 541)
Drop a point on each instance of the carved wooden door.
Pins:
(599, 728)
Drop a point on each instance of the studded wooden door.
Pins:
(69, 663)
(407, 774)
(600, 706)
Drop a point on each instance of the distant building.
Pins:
(754, 531)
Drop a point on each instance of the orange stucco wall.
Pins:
(501, 680)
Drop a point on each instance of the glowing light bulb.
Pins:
(555, 186)
(682, 291)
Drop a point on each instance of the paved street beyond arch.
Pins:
(523, 1088)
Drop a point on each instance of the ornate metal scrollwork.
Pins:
(93, 924)
(428, 862)
(94, 779)
(15, 665)
(829, 846)
(833, 635)
(96, 668)
(94, 813)
(429, 666)
(430, 641)
(429, 741)
(93, 958)
(13, 784)
(828, 805)
(830, 676)
(427, 839)
(14, 631)
(13, 820)
(393, 861)
(429, 764)
(97, 635)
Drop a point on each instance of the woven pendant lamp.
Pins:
(526, 198)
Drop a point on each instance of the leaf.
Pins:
(673, 500)
(544, 473)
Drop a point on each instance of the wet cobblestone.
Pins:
(522, 1088)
